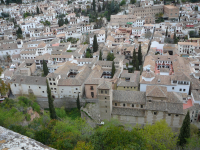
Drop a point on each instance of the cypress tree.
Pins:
(100, 55)
(51, 105)
(95, 44)
(94, 5)
(134, 59)
(175, 39)
(99, 8)
(113, 70)
(140, 55)
(45, 68)
(103, 6)
(166, 33)
(184, 131)
(37, 10)
(78, 102)
(137, 64)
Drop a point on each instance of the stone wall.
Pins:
(60, 102)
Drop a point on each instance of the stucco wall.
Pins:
(127, 88)
(88, 91)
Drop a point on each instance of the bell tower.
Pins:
(105, 95)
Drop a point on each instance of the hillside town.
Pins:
(135, 61)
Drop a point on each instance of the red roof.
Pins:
(189, 25)
(188, 104)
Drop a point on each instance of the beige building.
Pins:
(129, 81)
(171, 11)
(145, 11)
(137, 107)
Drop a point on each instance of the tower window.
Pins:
(115, 104)
(124, 105)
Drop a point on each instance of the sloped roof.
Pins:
(156, 91)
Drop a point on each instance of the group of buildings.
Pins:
(165, 87)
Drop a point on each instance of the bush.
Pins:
(28, 117)
(36, 107)
(18, 128)
(60, 112)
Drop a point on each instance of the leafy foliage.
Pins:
(110, 56)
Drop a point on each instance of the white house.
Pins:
(24, 85)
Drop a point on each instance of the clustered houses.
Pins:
(165, 86)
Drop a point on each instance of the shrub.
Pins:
(28, 117)
(36, 107)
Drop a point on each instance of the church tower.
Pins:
(105, 95)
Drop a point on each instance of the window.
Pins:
(101, 91)
(155, 113)
(42, 91)
(29, 87)
(92, 94)
(180, 89)
(15, 85)
(124, 86)
(105, 92)
(39, 87)
(172, 88)
(149, 100)
(105, 98)
(183, 90)
(176, 115)
(132, 105)
(76, 88)
(141, 106)
(106, 111)
(124, 105)
(91, 88)
(115, 104)
(61, 91)
(169, 114)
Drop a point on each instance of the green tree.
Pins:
(95, 44)
(113, 69)
(37, 10)
(166, 33)
(103, 6)
(2, 2)
(123, 2)
(7, 2)
(117, 138)
(134, 59)
(99, 8)
(110, 56)
(94, 5)
(50, 101)
(175, 38)
(66, 21)
(184, 131)
(45, 68)
(26, 14)
(100, 55)
(159, 136)
(19, 31)
(137, 64)
(88, 55)
(132, 1)
(140, 55)
(60, 22)
(78, 103)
